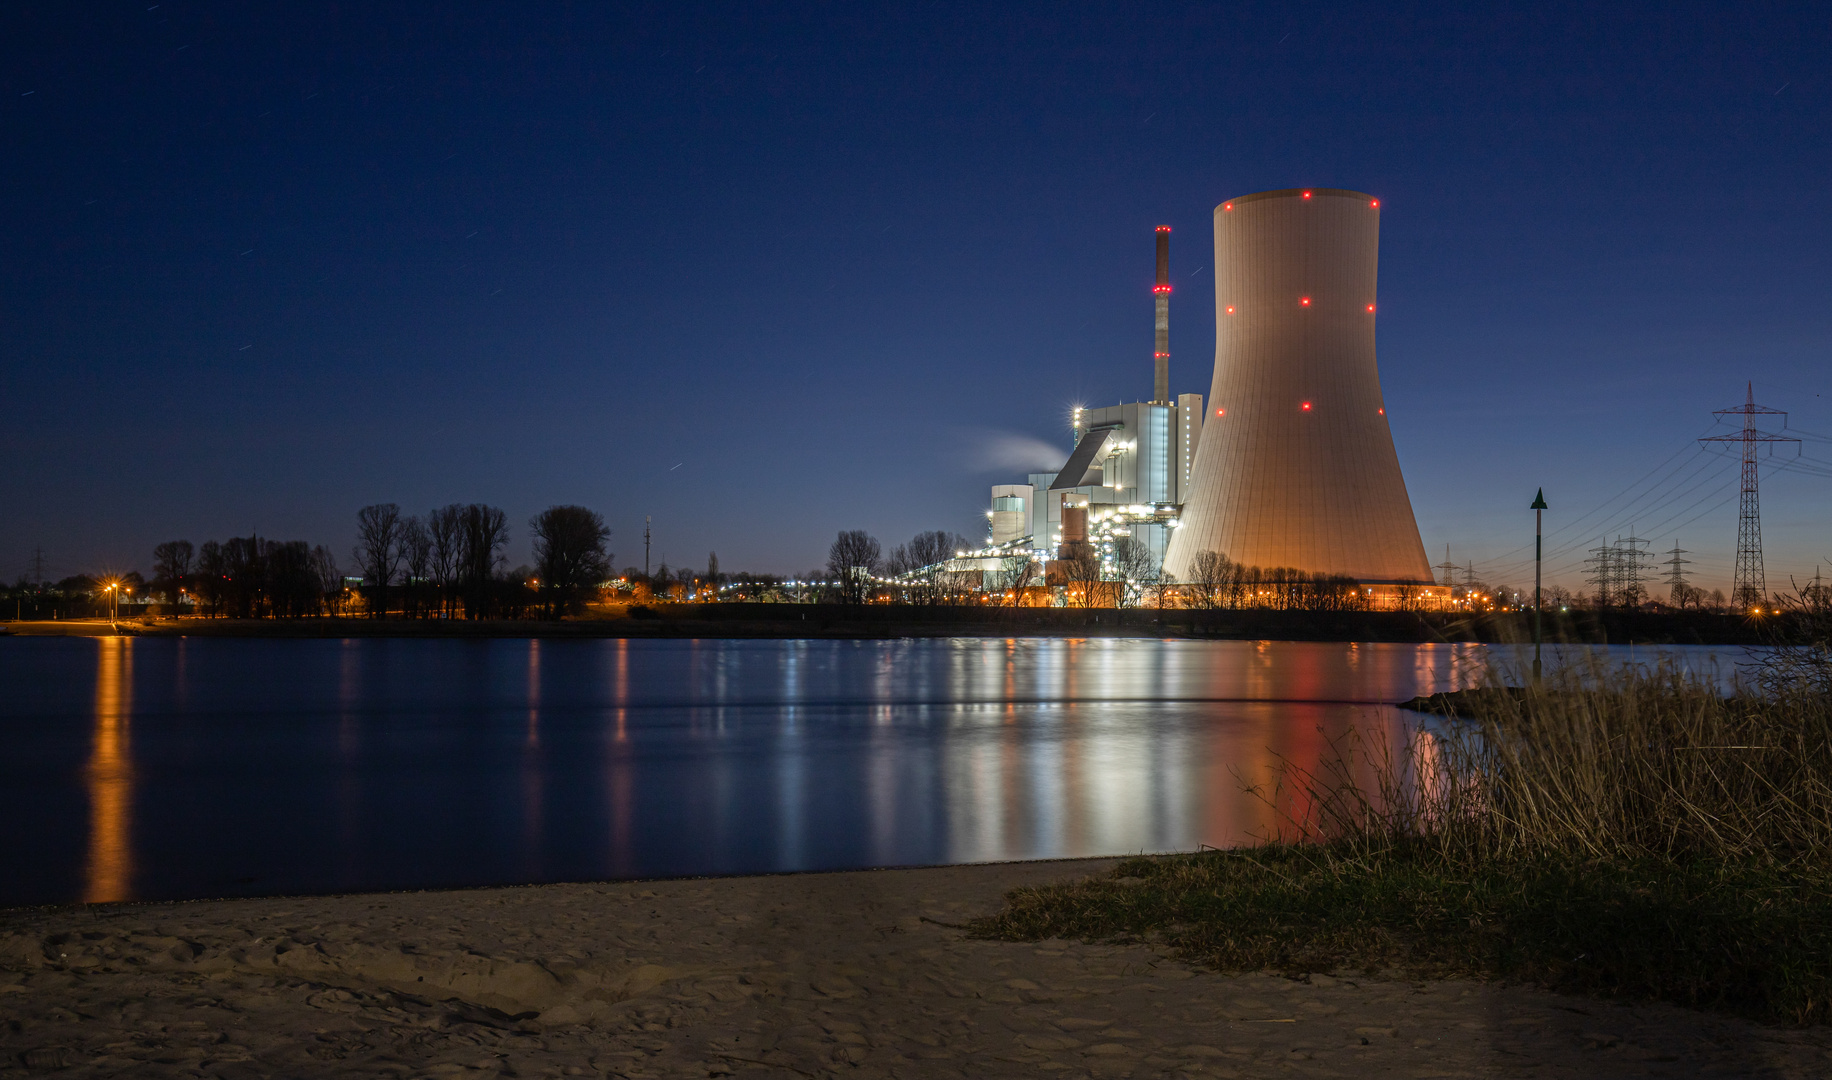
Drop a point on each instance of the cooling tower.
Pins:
(1295, 466)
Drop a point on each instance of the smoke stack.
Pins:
(1160, 357)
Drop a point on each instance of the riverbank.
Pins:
(875, 621)
(865, 974)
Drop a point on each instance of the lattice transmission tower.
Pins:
(1751, 585)
(1603, 572)
(1679, 590)
(1632, 569)
(1450, 568)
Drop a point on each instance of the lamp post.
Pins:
(1539, 508)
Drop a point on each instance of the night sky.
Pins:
(767, 272)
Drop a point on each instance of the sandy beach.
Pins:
(860, 974)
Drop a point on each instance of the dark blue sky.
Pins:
(769, 272)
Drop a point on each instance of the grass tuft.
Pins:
(1749, 940)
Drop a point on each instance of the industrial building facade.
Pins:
(1130, 465)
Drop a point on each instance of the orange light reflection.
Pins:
(109, 870)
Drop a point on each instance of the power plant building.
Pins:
(1291, 463)
(1130, 463)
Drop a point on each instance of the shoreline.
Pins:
(880, 622)
(859, 973)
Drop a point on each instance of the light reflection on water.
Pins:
(311, 766)
(109, 776)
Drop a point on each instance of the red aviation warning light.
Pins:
(1375, 204)
(1304, 302)
(1370, 307)
(1230, 311)
(1221, 412)
(1306, 406)
(1160, 288)
(1227, 206)
(1307, 194)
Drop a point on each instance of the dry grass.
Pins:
(1598, 762)
(1618, 831)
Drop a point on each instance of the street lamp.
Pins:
(1539, 507)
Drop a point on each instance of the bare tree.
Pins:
(417, 560)
(1014, 573)
(1210, 572)
(172, 571)
(378, 551)
(330, 578)
(924, 561)
(446, 526)
(244, 577)
(851, 561)
(1134, 568)
(289, 579)
(484, 534)
(210, 578)
(1081, 573)
(569, 556)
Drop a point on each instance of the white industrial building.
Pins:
(1130, 464)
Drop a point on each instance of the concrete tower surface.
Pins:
(1296, 466)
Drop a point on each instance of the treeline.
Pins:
(249, 577)
(1217, 581)
(1121, 573)
(449, 564)
(914, 573)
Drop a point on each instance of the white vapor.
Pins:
(1010, 451)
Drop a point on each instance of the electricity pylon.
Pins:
(1751, 587)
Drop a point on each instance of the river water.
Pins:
(160, 768)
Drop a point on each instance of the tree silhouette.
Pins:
(569, 556)
(851, 561)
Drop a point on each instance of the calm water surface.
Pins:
(174, 768)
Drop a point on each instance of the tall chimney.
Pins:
(1160, 383)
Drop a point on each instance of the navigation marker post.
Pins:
(1539, 508)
